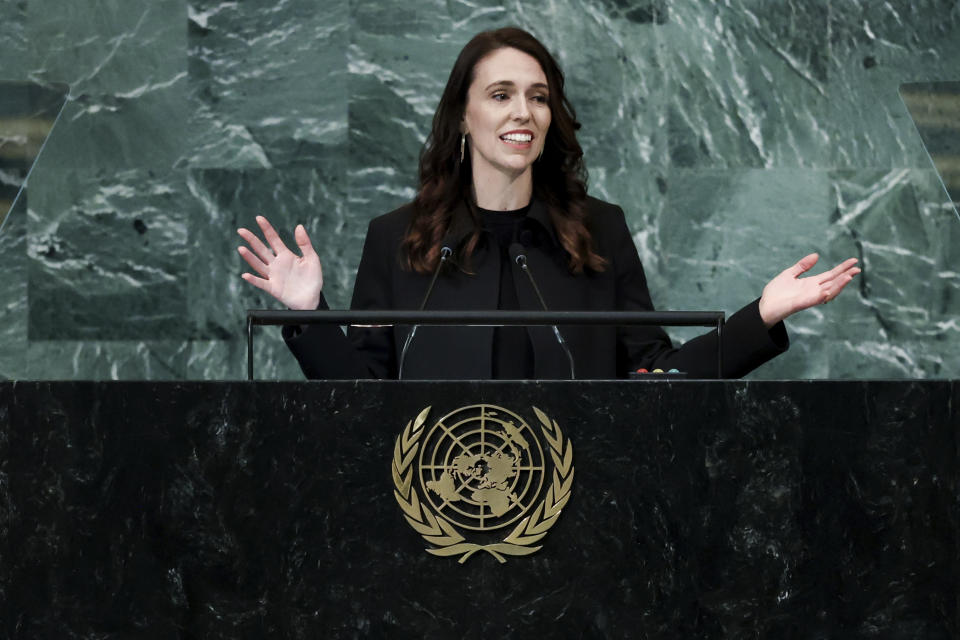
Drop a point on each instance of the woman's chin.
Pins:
(516, 168)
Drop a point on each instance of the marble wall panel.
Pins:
(228, 199)
(389, 119)
(108, 255)
(227, 359)
(399, 57)
(737, 137)
(396, 81)
(615, 80)
(874, 47)
(935, 110)
(118, 133)
(641, 191)
(106, 360)
(905, 308)
(748, 83)
(126, 65)
(619, 91)
(724, 234)
(907, 239)
(106, 47)
(28, 112)
(13, 293)
(887, 359)
(11, 181)
(267, 83)
(225, 199)
(13, 38)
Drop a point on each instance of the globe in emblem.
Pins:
(481, 467)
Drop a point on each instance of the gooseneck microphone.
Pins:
(518, 255)
(445, 253)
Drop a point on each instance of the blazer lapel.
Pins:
(441, 352)
(547, 263)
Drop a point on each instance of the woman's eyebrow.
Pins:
(511, 83)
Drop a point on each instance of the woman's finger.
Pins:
(833, 289)
(262, 251)
(303, 242)
(255, 263)
(852, 271)
(803, 265)
(836, 271)
(841, 279)
(273, 238)
(842, 282)
(259, 283)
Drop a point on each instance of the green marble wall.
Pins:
(738, 135)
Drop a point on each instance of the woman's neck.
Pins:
(496, 191)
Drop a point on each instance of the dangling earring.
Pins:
(463, 144)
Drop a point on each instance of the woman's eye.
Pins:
(541, 99)
(499, 97)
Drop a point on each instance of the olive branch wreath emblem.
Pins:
(438, 531)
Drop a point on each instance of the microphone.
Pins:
(518, 255)
(445, 253)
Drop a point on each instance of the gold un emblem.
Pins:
(479, 471)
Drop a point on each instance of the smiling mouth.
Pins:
(517, 138)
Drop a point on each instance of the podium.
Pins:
(707, 509)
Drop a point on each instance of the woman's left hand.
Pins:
(788, 292)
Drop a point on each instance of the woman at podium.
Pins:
(502, 176)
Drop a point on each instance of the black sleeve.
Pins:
(746, 341)
(324, 352)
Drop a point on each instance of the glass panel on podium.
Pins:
(28, 114)
(935, 109)
(902, 323)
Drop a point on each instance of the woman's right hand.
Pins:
(294, 280)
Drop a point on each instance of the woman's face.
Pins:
(507, 113)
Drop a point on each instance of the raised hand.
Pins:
(788, 292)
(294, 280)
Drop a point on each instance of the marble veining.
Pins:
(737, 136)
(699, 509)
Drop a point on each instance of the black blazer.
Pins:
(466, 352)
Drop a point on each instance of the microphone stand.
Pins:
(522, 261)
(444, 254)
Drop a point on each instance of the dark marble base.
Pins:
(699, 510)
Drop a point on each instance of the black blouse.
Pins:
(512, 349)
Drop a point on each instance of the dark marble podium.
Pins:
(699, 510)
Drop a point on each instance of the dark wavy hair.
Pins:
(446, 183)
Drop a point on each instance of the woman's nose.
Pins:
(522, 111)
